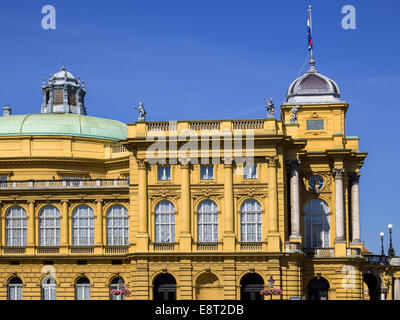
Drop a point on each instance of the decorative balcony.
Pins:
(48, 250)
(14, 250)
(292, 247)
(207, 246)
(376, 259)
(158, 246)
(319, 252)
(82, 250)
(63, 184)
(251, 246)
(354, 253)
(116, 249)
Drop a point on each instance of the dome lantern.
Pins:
(63, 94)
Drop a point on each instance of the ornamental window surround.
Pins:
(16, 227)
(165, 222)
(82, 289)
(250, 221)
(83, 226)
(15, 289)
(117, 226)
(207, 221)
(316, 221)
(49, 226)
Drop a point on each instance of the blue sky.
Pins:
(192, 59)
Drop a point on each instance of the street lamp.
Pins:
(271, 282)
(382, 235)
(391, 250)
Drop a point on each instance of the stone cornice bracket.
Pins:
(272, 160)
(338, 173)
(142, 163)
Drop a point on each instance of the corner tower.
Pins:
(63, 94)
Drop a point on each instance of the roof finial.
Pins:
(310, 40)
(63, 66)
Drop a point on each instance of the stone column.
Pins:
(98, 231)
(339, 209)
(143, 234)
(31, 227)
(185, 238)
(64, 227)
(294, 199)
(229, 233)
(355, 208)
(273, 235)
(396, 288)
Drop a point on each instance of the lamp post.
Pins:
(391, 250)
(271, 282)
(382, 235)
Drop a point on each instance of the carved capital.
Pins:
(228, 162)
(272, 161)
(338, 173)
(142, 164)
(185, 163)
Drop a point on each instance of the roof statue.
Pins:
(294, 111)
(142, 112)
(270, 108)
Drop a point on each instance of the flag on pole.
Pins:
(309, 35)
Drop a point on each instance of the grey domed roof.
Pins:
(313, 88)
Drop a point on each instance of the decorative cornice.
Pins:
(272, 160)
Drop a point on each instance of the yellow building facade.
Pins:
(188, 209)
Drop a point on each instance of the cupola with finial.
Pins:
(63, 94)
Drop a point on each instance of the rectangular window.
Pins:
(315, 124)
(250, 171)
(164, 173)
(207, 172)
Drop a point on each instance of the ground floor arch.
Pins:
(164, 287)
(250, 286)
(318, 289)
(373, 284)
(208, 287)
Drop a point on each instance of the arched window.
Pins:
(82, 289)
(165, 222)
(117, 226)
(207, 221)
(49, 226)
(316, 218)
(117, 283)
(16, 227)
(15, 289)
(49, 288)
(250, 221)
(83, 226)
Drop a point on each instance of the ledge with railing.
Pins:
(175, 127)
(63, 184)
(163, 246)
(292, 247)
(319, 252)
(252, 246)
(208, 246)
(354, 253)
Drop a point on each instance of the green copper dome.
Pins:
(62, 124)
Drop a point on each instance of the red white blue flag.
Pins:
(309, 35)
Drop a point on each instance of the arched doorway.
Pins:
(318, 289)
(374, 285)
(164, 287)
(250, 287)
(208, 287)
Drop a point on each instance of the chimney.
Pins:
(7, 110)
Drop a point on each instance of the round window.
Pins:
(316, 183)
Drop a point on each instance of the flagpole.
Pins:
(312, 61)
